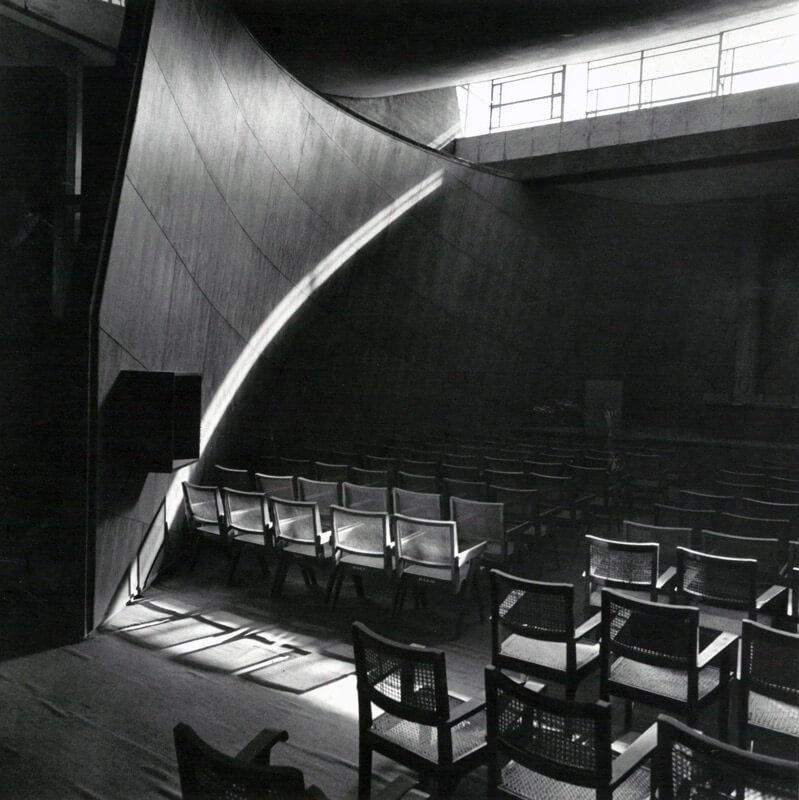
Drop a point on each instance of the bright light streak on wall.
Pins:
(284, 311)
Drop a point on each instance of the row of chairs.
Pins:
(538, 745)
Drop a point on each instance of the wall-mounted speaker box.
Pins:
(152, 419)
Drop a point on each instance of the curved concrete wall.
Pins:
(243, 193)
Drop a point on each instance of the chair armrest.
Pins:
(466, 710)
(259, 750)
(768, 598)
(666, 578)
(588, 626)
(465, 556)
(519, 527)
(721, 643)
(632, 758)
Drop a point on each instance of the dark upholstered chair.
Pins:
(207, 774)
(650, 653)
(691, 766)
(420, 724)
(533, 631)
(546, 748)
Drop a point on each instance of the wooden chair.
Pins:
(424, 505)
(543, 467)
(605, 490)
(650, 654)
(206, 773)
(325, 494)
(386, 464)
(366, 498)
(690, 498)
(299, 538)
(480, 521)
(204, 515)
(420, 725)
(427, 468)
(542, 748)
(769, 687)
(460, 473)
(767, 552)
(533, 631)
(248, 527)
(361, 543)
(725, 589)
(764, 527)
(697, 519)
(631, 568)
(645, 478)
(503, 464)
(299, 467)
(428, 553)
(509, 480)
(688, 764)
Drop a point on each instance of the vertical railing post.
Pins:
(718, 65)
(640, 79)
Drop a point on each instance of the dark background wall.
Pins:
(485, 298)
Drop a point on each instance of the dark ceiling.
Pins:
(370, 48)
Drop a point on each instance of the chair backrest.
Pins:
(668, 538)
(369, 477)
(765, 551)
(406, 681)
(469, 490)
(429, 468)
(366, 498)
(203, 504)
(331, 472)
(232, 478)
(746, 476)
(622, 565)
(503, 464)
(534, 609)
(469, 460)
(660, 634)
(295, 521)
(362, 532)
(717, 580)
(245, 511)
(425, 505)
(324, 493)
(543, 466)
(739, 525)
(510, 480)
(591, 479)
(716, 502)
(739, 490)
(206, 773)
(644, 465)
(417, 483)
(299, 467)
(679, 517)
(521, 505)
(387, 464)
(562, 740)
(426, 542)
(689, 764)
(770, 669)
(552, 489)
(460, 473)
(282, 486)
(478, 520)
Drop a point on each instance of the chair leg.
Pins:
(477, 594)
(358, 581)
(264, 564)
(337, 588)
(280, 575)
(399, 596)
(235, 555)
(195, 552)
(364, 772)
(331, 582)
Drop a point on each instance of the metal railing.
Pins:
(530, 98)
(735, 60)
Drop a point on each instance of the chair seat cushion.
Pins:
(522, 782)
(774, 715)
(467, 736)
(664, 681)
(546, 654)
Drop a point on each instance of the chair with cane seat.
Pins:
(248, 527)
